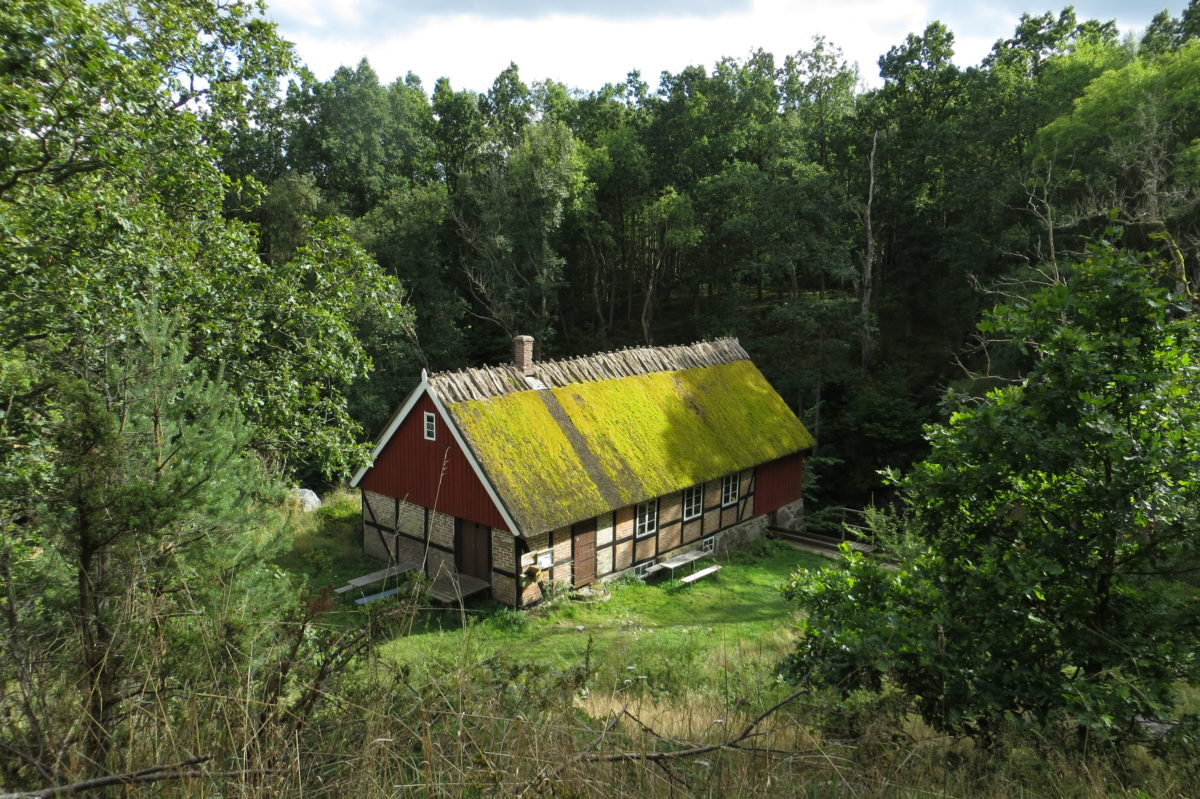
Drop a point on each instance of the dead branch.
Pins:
(544, 779)
(172, 771)
(749, 731)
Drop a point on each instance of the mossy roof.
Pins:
(560, 455)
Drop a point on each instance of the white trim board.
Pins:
(392, 427)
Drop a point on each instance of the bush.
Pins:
(509, 620)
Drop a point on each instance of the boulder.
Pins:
(306, 499)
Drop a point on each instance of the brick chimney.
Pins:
(523, 354)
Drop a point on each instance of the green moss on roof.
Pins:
(522, 449)
(621, 441)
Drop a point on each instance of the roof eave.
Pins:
(393, 425)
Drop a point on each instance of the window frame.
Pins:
(697, 493)
(731, 485)
(645, 519)
(430, 426)
(640, 569)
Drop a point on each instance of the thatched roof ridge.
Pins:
(494, 381)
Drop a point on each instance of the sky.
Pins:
(587, 43)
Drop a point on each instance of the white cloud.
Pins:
(587, 51)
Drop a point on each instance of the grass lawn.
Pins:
(326, 545)
(726, 631)
(719, 634)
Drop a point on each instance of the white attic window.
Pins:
(430, 426)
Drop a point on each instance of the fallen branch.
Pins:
(654, 757)
(544, 779)
(172, 771)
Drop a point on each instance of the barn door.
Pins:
(583, 552)
(472, 549)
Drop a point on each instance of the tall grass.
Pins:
(664, 692)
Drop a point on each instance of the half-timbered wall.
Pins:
(505, 567)
(398, 528)
(617, 548)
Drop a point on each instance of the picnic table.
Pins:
(676, 561)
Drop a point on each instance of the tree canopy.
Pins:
(210, 285)
(1044, 536)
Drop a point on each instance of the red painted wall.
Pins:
(411, 468)
(777, 483)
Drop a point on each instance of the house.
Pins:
(581, 469)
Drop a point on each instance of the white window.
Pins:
(709, 544)
(729, 489)
(646, 519)
(430, 426)
(693, 502)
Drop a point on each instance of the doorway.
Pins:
(473, 549)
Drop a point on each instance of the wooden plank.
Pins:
(376, 577)
(676, 561)
(452, 587)
(362, 600)
(694, 576)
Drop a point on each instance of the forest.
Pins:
(220, 275)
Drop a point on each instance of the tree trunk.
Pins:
(100, 661)
(866, 336)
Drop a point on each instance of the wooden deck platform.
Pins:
(820, 542)
(456, 587)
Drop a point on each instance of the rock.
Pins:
(306, 499)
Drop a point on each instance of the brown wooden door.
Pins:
(583, 552)
(473, 549)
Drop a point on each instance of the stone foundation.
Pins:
(790, 516)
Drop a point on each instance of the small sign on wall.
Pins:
(545, 559)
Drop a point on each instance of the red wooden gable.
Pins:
(778, 483)
(433, 474)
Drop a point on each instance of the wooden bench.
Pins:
(376, 577)
(362, 600)
(694, 576)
